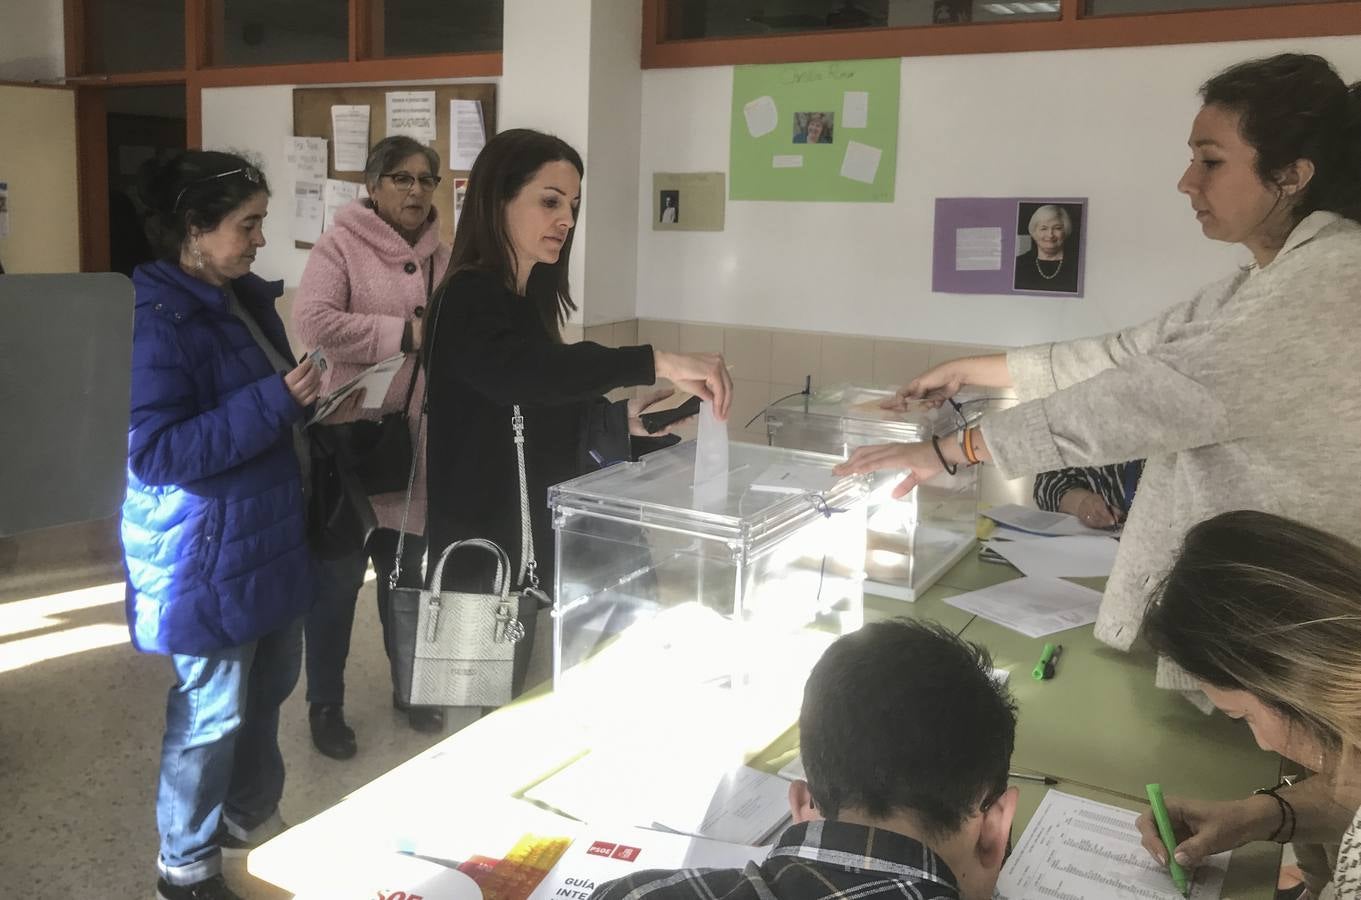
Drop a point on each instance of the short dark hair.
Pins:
(1295, 106)
(391, 150)
(1259, 603)
(905, 716)
(506, 164)
(193, 189)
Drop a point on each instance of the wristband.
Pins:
(969, 453)
(1287, 813)
(949, 469)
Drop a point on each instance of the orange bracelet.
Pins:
(969, 453)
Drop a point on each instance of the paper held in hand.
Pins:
(373, 381)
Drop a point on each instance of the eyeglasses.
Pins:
(404, 181)
(251, 174)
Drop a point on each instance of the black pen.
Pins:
(1038, 779)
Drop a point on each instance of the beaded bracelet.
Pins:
(935, 442)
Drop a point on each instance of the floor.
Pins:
(81, 716)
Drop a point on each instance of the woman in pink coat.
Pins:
(360, 301)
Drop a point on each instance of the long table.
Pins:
(1100, 727)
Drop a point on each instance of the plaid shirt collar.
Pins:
(866, 849)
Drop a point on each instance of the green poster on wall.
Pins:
(815, 131)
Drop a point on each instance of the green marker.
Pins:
(1155, 799)
(1044, 669)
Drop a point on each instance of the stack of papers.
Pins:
(1034, 606)
(736, 804)
(1074, 847)
(1060, 557)
(1038, 522)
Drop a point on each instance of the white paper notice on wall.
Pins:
(762, 116)
(861, 162)
(787, 161)
(855, 109)
(467, 134)
(337, 194)
(350, 132)
(306, 157)
(308, 211)
(978, 249)
(4, 209)
(412, 113)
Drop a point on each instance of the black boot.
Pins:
(425, 719)
(330, 734)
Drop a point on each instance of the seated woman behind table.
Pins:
(1099, 496)
(1265, 614)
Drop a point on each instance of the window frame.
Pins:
(1071, 31)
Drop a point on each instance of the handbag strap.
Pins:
(528, 566)
(420, 431)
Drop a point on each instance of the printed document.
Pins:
(1032, 605)
(374, 381)
(1060, 557)
(1075, 847)
(1037, 521)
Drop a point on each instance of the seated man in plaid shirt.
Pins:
(906, 740)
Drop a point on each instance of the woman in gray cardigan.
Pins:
(1248, 396)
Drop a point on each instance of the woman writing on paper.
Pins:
(1245, 397)
(495, 343)
(361, 300)
(1265, 614)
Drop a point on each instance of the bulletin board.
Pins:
(312, 118)
(815, 131)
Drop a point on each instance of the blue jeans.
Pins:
(331, 619)
(220, 758)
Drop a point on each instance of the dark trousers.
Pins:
(331, 619)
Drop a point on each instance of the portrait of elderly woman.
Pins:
(1048, 247)
(813, 127)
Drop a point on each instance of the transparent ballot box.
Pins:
(675, 600)
(911, 541)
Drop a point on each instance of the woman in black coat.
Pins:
(495, 342)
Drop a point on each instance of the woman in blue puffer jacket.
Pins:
(214, 540)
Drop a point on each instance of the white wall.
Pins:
(1110, 125)
(32, 44)
(255, 121)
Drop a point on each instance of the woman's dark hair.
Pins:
(904, 716)
(1295, 106)
(392, 150)
(1263, 604)
(506, 164)
(193, 189)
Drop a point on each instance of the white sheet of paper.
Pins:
(1037, 521)
(374, 381)
(337, 194)
(762, 116)
(350, 135)
(794, 479)
(1060, 557)
(1075, 847)
(4, 209)
(787, 161)
(307, 211)
(711, 459)
(412, 113)
(861, 162)
(603, 853)
(395, 875)
(1033, 606)
(306, 157)
(696, 797)
(467, 134)
(978, 249)
(855, 109)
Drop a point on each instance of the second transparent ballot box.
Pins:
(912, 541)
(676, 600)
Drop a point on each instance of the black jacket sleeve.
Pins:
(481, 341)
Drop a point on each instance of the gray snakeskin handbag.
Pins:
(454, 648)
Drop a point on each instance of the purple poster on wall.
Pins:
(1010, 245)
